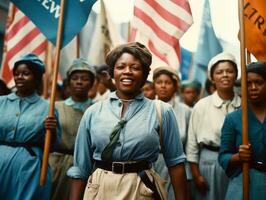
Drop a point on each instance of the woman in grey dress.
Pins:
(205, 129)
(166, 84)
(80, 77)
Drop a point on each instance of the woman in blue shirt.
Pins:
(118, 138)
(233, 153)
(22, 131)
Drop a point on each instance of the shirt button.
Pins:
(120, 104)
(17, 114)
(14, 129)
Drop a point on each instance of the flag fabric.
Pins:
(208, 46)
(21, 37)
(45, 15)
(104, 37)
(159, 25)
(186, 63)
(255, 26)
(101, 42)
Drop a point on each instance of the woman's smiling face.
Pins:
(128, 75)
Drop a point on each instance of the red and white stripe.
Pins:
(21, 37)
(159, 25)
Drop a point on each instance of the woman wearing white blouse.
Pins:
(205, 129)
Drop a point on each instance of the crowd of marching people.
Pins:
(119, 133)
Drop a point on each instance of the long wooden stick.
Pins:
(52, 98)
(244, 98)
(48, 69)
(78, 45)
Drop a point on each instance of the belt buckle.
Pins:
(116, 166)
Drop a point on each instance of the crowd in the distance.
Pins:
(117, 134)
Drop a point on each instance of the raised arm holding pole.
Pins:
(52, 98)
(244, 98)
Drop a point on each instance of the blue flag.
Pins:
(208, 45)
(45, 15)
(186, 63)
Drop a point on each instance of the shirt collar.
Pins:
(218, 102)
(113, 96)
(30, 99)
(78, 105)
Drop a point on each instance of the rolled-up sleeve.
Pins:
(172, 145)
(83, 162)
(192, 147)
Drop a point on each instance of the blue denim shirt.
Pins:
(139, 139)
(231, 139)
(22, 119)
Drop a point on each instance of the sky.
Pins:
(223, 12)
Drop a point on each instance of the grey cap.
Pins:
(81, 64)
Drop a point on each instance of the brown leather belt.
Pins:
(260, 166)
(123, 167)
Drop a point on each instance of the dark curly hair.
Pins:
(136, 49)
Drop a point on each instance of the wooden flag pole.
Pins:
(48, 70)
(78, 45)
(244, 98)
(48, 133)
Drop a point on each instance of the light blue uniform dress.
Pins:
(22, 121)
(139, 139)
(230, 141)
(182, 113)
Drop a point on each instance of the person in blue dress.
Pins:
(22, 131)
(166, 85)
(233, 153)
(118, 138)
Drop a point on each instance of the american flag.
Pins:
(21, 37)
(159, 25)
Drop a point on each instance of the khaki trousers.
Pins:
(107, 185)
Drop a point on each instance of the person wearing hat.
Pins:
(205, 129)
(233, 153)
(118, 138)
(166, 83)
(190, 92)
(80, 78)
(23, 123)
